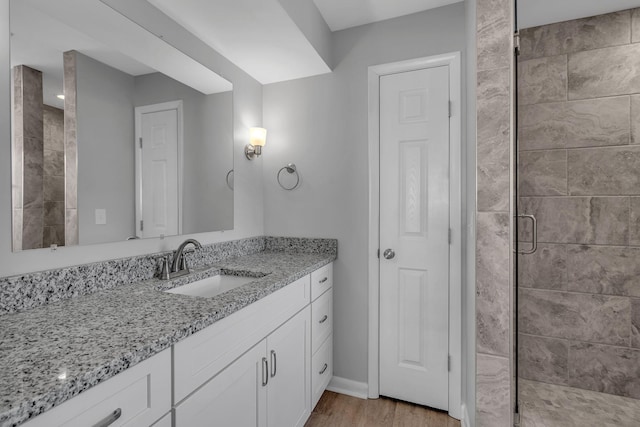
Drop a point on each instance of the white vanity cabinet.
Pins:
(268, 386)
(321, 331)
(139, 396)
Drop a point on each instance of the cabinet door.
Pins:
(289, 353)
(235, 397)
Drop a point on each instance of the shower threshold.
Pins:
(547, 405)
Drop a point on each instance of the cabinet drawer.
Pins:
(321, 319)
(322, 370)
(142, 394)
(321, 280)
(201, 356)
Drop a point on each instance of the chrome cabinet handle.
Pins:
(324, 319)
(324, 368)
(110, 419)
(389, 254)
(534, 244)
(323, 280)
(274, 362)
(265, 372)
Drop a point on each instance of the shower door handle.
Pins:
(534, 243)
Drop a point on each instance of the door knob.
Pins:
(389, 254)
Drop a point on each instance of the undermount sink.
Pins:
(211, 286)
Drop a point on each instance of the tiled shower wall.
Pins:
(579, 174)
(53, 122)
(493, 291)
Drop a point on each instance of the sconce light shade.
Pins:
(257, 136)
(257, 139)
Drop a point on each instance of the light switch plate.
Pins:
(101, 216)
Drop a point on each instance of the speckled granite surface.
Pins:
(26, 291)
(96, 336)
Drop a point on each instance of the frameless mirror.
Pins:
(116, 135)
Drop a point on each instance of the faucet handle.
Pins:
(183, 264)
(166, 262)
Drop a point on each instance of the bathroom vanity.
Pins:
(257, 354)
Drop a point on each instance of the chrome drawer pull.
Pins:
(323, 280)
(324, 368)
(324, 319)
(274, 362)
(265, 372)
(112, 418)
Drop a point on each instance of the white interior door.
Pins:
(158, 210)
(414, 224)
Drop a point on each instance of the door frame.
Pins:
(452, 60)
(156, 108)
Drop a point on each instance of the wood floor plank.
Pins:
(339, 410)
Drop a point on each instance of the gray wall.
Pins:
(105, 151)
(320, 124)
(248, 197)
(579, 173)
(208, 149)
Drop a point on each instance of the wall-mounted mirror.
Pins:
(115, 134)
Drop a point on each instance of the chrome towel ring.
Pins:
(291, 169)
(229, 184)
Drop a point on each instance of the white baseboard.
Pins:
(465, 416)
(348, 387)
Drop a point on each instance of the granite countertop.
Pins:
(52, 353)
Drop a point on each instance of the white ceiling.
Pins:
(256, 35)
(42, 30)
(532, 13)
(341, 14)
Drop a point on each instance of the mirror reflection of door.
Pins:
(159, 170)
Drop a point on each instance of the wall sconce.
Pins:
(257, 139)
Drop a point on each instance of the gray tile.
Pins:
(635, 119)
(32, 223)
(611, 29)
(599, 220)
(585, 123)
(493, 140)
(635, 323)
(604, 72)
(53, 235)
(543, 359)
(492, 283)
(71, 237)
(54, 213)
(16, 224)
(494, 31)
(492, 391)
(583, 317)
(542, 80)
(603, 368)
(53, 163)
(604, 270)
(53, 121)
(548, 405)
(544, 269)
(54, 189)
(635, 25)
(634, 222)
(604, 171)
(542, 173)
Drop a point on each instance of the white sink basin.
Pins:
(212, 286)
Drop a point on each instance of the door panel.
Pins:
(159, 186)
(414, 223)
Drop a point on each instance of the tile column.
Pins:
(493, 255)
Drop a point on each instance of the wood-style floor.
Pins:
(339, 410)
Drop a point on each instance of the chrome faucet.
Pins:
(179, 265)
